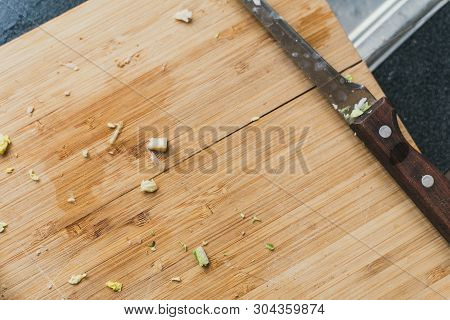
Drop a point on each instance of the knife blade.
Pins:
(374, 122)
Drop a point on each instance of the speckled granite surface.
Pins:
(416, 77)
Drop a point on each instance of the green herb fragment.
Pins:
(349, 77)
(201, 257)
(3, 225)
(356, 113)
(76, 279)
(183, 245)
(152, 245)
(114, 286)
(270, 246)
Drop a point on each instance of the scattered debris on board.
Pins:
(5, 141)
(270, 246)
(254, 119)
(184, 15)
(9, 170)
(33, 176)
(3, 225)
(71, 66)
(217, 35)
(30, 110)
(242, 215)
(176, 279)
(349, 77)
(201, 257)
(256, 219)
(152, 246)
(148, 186)
(243, 233)
(71, 199)
(117, 130)
(164, 67)
(50, 286)
(111, 125)
(76, 279)
(359, 108)
(123, 62)
(205, 243)
(183, 246)
(85, 153)
(157, 144)
(67, 93)
(114, 286)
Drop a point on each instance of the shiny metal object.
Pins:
(342, 94)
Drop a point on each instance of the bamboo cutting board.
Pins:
(344, 234)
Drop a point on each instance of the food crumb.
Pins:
(201, 257)
(85, 153)
(111, 125)
(205, 243)
(114, 286)
(270, 246)
(349, 77)
(152, 246)
(9, 170)
(67, 93)
(243, 233)
(256, 219)
(3, 225)
(176, 279)
(71, 199)
(148, 186)
(30, 110)
(184, 15)
(5, 141)
(33, 176)
(50, 286)
(183, 246)
(76, 279)
(71, 66)
(254, 119)
(116, 132)
(157, 144)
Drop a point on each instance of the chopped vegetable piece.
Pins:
(115, 286)
(204, 243)
(76, 279)
(50, 286)
(254, 119)
(217, 35)
(67, 93)
(111, 125)
(183, 245)
(116, 133)
(242, 215)
(356, 113)
(176, 279)
(3, 225)
(256, 219)
(200, 255)
(123, 62)
(4, 143)
(71, 199)
(9, 170)
(152, 246)
(157, 144)
(270, 246)
(85, 153)
(184, 15)
(33, 176)
(71, 65)
(30, 110)
(148, 186)
(349, 77)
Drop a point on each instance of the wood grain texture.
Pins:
(339, 232)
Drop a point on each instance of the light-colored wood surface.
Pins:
(341, 226)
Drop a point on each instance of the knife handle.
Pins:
(423, 182)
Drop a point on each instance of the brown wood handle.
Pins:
(424, 184)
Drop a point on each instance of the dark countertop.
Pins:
(415, 77)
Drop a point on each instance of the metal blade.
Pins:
(343, 95)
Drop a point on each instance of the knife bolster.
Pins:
(421, 180)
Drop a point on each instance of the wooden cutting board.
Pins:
(340, 225)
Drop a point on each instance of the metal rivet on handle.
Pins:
(427, 181)
(385, 131)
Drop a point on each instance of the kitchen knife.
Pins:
(374, 122)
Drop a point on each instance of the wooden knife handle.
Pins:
(424, 184)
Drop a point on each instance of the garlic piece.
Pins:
(148, 186)
(184, 15)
